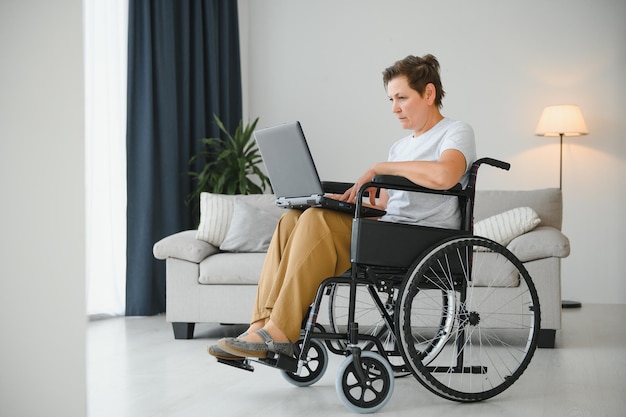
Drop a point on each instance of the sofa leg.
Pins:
(546, 338)
(183, 330)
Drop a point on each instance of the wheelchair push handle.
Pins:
(493, 162)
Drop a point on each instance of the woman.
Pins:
(312, 245)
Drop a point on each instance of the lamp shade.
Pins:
(566, 120)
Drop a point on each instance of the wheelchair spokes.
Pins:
(489, 340)
(433, 319)
(369, 308)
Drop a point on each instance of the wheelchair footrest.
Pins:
(286, 363)
(241, 364)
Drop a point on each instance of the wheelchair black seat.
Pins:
(394, 244)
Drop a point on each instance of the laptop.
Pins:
(292, 171)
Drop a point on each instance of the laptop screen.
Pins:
(288, 161)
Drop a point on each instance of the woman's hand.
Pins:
(351, 193)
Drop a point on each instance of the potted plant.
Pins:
(230, 164)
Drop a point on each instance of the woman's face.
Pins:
(412, 110)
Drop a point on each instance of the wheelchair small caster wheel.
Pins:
(314, 366)
(374, 391)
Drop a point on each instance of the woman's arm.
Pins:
(440, 175)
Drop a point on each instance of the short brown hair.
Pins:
(419, 71)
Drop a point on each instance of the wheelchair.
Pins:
(458, 312)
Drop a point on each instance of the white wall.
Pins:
(320, 62)
(42, 289)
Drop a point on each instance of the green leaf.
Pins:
(230, 163)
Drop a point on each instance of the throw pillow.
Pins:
(216, 212)
(251, 229)
(505, 227)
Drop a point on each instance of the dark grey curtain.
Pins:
(183, 67)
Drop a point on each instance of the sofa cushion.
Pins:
(216, 213)
(232, 268)
(505, 227)
(494, 273)
(542, 242)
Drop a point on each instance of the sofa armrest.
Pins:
(541, 242)
(183, 245)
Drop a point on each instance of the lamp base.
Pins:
(570, 304)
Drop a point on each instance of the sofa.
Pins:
(212, 272)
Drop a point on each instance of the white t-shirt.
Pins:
(430, 209)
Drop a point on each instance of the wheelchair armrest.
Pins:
(402, 183)
(465, 194)
(397, 182)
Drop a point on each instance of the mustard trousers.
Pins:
(307, 247)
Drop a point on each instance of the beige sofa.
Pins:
(207, 285)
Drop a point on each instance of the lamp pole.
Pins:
(568, 119)
(565, 303)
(561, 163)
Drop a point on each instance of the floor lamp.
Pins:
(562, 120)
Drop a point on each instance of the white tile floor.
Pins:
(136, 368)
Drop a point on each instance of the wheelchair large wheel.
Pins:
(368, 315)
(368, 389)
(492, 325)
(314, 365)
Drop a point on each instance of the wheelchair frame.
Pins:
(438, 318)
